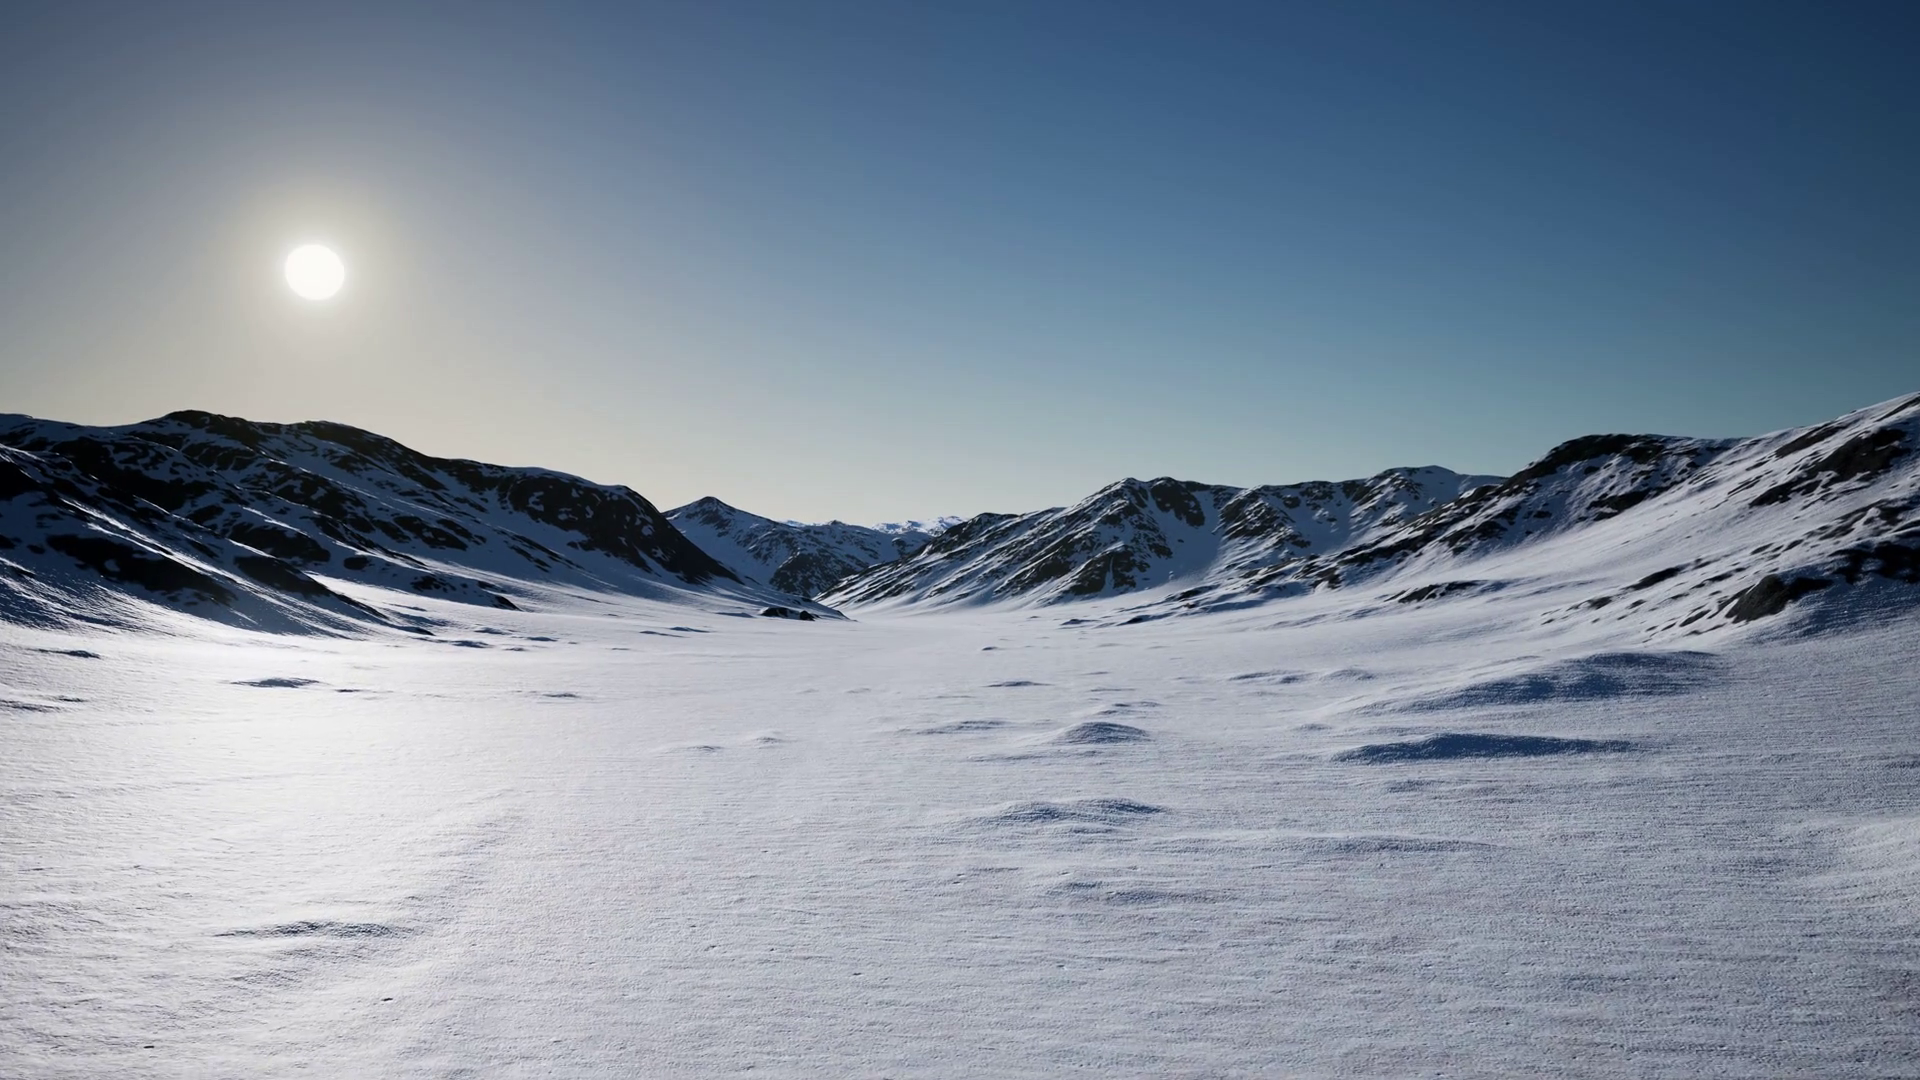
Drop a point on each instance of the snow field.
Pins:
(982, 843)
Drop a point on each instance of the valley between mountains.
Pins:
(273, 526)
(322, 756)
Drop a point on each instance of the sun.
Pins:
(315, 272)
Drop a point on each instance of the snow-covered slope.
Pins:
(1139, 534)
(803, 560)
(270, 525)
(1667, 535)
(1436, 810)
(1279, 842)
(1670, 536)
(289, 526)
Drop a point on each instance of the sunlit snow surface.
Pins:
(635, 841)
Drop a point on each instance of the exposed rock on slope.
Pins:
(269, 524)
(1710, 531)
(1677, 535)
(1136, 534)
(804, 560)
(249, 521)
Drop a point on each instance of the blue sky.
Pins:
(872, 261)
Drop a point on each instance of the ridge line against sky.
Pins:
(873, 262)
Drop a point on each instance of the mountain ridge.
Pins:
(794, 557)
(242, 521)
(1832, 504)
(277, 526)
(1134, 532)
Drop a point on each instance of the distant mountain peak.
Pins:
(271, 525)
(1133, 534)
(797, 558)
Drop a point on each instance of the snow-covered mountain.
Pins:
(1139, 534)
(295, 525)
(271, 524)
(1447, 767)
(800, 559)
(1672, 536)
(1669, 534)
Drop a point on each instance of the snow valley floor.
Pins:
(628, 839)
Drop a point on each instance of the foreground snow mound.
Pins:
(1452, 746)
(804, 560)
(1596, 677)
(250, 522)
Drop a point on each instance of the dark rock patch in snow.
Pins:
(1657, 577)
(1277, 677)
(13, 705)
(1454, 746)
(777, 612)
(1771, 595)
(121, 562)
(322, 928)
(1887, 559)
(1127, 895)
(1102, 732)
(277, 682)
(1393, 843)
(1010, 683)
(1080, 811)
(1865, 455)
(962, 727)
(1437, 591)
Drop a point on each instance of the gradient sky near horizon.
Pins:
(872, 261)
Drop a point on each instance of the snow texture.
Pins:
(1447, 817)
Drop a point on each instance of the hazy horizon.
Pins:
(902, 518)
(871, 263)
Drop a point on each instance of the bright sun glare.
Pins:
(315, 272)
